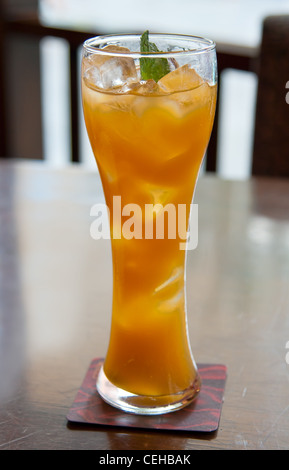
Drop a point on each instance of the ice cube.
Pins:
(110, 71)
(181, 79)
(170, 293)
(146, 87)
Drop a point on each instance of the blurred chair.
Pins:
(242, 58)
(271, 136)
(20, 85)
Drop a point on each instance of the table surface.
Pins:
(55, 298)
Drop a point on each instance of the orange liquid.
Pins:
(149, 150)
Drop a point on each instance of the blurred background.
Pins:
(39, 83)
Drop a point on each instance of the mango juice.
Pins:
(149, 143)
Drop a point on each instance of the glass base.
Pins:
(143, 404)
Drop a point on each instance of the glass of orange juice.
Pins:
(149, 103)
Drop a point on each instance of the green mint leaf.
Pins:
(152, 68)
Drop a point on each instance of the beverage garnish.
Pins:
(152, 67)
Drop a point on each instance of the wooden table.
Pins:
(55, 296)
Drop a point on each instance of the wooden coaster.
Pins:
(202, 415)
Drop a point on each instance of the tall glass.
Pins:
(149, 137)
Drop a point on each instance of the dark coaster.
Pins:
(202, 415)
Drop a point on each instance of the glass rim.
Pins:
(205, 45)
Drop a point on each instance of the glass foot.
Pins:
(143, 404)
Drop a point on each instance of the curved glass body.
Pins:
(149, 138)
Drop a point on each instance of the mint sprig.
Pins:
(152, 68)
